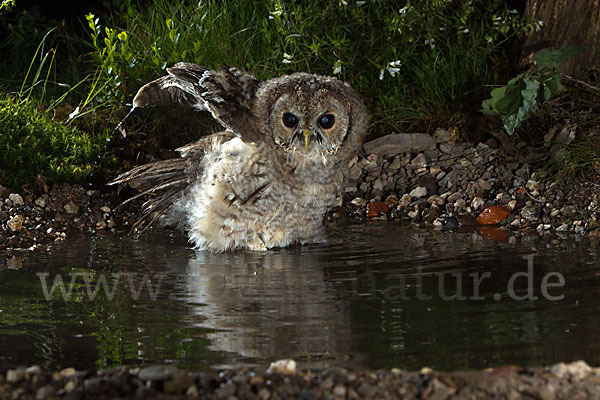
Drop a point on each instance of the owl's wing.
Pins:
(226, 93)
(165, 181)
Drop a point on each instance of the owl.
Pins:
(270, 177)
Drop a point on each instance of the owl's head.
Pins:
(312, 117)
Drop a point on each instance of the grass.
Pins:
(31, 143)
(416, 65)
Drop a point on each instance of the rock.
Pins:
(563, 228)
(355, 173)
(16, 199)
(530, 213)
(405, 200)
(418, 192)
(375, 208)
(158, 372)
(476, 203)
(420, 161)
(285, 367)
(459, 204)
(71, 208)
(358, 202)
(397, 143)
(40, 201)
(15, 223)
(105, 209)
(340, 391)
(441, 135)
(511, 205)
(436, 199)
(492, 215)
(15, 375)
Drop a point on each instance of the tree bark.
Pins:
(566, 22)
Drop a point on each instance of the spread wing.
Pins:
(226, 93)
(165, 181)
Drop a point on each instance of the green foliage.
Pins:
(31, 144)
(523, 94)
(405, 58)
(7, 4)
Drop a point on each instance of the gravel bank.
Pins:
(561, 381)
(416, 178)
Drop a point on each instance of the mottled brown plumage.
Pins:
(266, 181)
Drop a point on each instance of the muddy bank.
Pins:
(561, 381)
(422, 179)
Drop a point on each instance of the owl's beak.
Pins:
(306, 134)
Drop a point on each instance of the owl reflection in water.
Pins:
(269, 178)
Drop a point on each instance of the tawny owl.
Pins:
(269, 178)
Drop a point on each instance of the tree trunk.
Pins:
(566, 22)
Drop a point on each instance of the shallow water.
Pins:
(377, 296)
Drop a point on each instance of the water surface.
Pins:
(377, 296)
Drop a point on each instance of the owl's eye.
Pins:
(326, 121)
(290, 120)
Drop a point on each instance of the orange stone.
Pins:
(496, 234)
(375, 208)
(492, 215)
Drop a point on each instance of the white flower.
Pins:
(287, 59)
(337, 68)
(403, 10)
(393, 68)
(343, 3)
(538, 25)
(466, 30)
(361, 3)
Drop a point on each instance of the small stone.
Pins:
(420, 161)
(192, 391)
(563, 228)
(44, 393)
(418, 192)
(70, 386)
(15, 375)
(358, 202)
(257, 380)
(157, 372)
(476, 203)
(375, 208)
(493, 215)
(543, 227)
(16, 199)
(438, 222)
(412, 214)
(340, 391)
(71, 208)
(405, 200)
(436, 199)
(105, 209)
(459, 204)
(15, 223)
(511, 205)
(530, 213)
(391, 200)
(286, 367)
(40, 202)
(453, 197)
(100, 225)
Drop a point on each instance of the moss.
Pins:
(31, 143)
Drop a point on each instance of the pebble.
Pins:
(71, 208)
(418, 192)
(16, 199)
(157, 372)
(15, 223)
